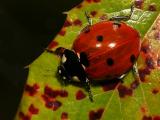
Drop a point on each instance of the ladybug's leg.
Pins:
(88, 18)
(87, 28)
(118, 19)
(135, 71)
(88, 89)
(85, 81)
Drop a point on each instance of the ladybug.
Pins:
(102, 51)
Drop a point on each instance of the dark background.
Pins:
(26, 28)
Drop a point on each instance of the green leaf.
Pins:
(44, 97)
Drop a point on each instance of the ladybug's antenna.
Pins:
(88, 18)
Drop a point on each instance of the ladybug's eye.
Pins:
(100, 38)
(132, 58)
(110, 61)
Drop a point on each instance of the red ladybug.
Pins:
(102, 51)
(109, 49)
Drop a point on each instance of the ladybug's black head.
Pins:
(59, 51)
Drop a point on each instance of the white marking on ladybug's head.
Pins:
(112, 45)
(83, 67)
(59, 71)
(64, 78)
(87, 80)
(75, 78)
(64, 59)
(78, 55)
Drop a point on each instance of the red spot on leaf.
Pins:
(32, 90)
(139, 4)
(143, 110)
(45, 98)
(67, 23)
(63, 93)
(155, 91)
(62, 32)
(93, 13)
(96, 1)
(53, 104)
(152, 7)
(157, 117)
(145, 48)
(23, 116)
(33, 109)
(147, 118)
(96, 115)
(80, 95)
(56, 105)
(64, 116)
(49, 104)
(134, 84)
(124, 91)
(50, 95)
(77, 22)
(143, 73)
(52, 44)
(149, 62)
(54, 93)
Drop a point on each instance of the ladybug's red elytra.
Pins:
(102, 51)
(111, 49)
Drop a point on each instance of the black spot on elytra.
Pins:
(99, 38)
(110, 61)
(84, 59)
(132, 58)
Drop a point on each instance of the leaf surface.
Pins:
(44, 97)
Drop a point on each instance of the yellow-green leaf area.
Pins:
(139, 102)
